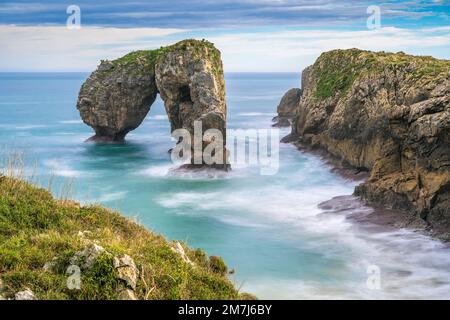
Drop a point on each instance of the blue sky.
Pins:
(253, 35)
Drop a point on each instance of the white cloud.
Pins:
(294, 50)
(55, 48)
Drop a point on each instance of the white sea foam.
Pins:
(256, 114)
(113, 196)
(412, 265)
(157, 171)
(29, 126)
(171, 171)
(71, 121)
(61, 168)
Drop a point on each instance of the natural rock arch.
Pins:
(188, 75)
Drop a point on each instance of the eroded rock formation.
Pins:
(387, 113)
(287, 107)
(116, 97)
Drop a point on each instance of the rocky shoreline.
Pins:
(388, 115)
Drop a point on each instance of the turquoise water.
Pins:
(268, 228)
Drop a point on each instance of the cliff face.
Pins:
(387, 113)
(116, 97)
(287, 107)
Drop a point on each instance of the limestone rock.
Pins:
(87, 257)
(25, 295)
(390, 114)
(178, 248)
(287, 107)
(126, 294)
(126, 270)
(116, 97)
(189, 77)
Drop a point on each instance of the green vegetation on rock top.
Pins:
(36, 229)
(335, 71)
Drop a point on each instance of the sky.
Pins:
(253, 35)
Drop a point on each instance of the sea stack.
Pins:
(390, 114)
(116, 97)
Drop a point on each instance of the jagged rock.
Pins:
(190, 80)
(180, 250)
(25, 295)
(126, 270)
(126, 294)
(287, 107)
(281, 122)
(116, 97)
(87, 257)
(189, 76)
(388, 113)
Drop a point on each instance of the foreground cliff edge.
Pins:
(45, 243)
(189, 77)
(388, 114)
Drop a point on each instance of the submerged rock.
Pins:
(390, 114)
(116, 97)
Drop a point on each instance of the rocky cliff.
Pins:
(116, 97)
(287, 107)
(389, 114)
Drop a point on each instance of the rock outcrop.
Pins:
(116, 97)
(287, 107)
(389, 114)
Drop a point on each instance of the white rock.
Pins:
(86, 257)
(127, 294)
(180, 250)
(126, 269)
(25, 295)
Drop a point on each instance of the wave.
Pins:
(172, 171)
(71, 121)
(412, 265)
(113, 196)
(61, 168)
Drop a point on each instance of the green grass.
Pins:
(336, 71)
(35, 228)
